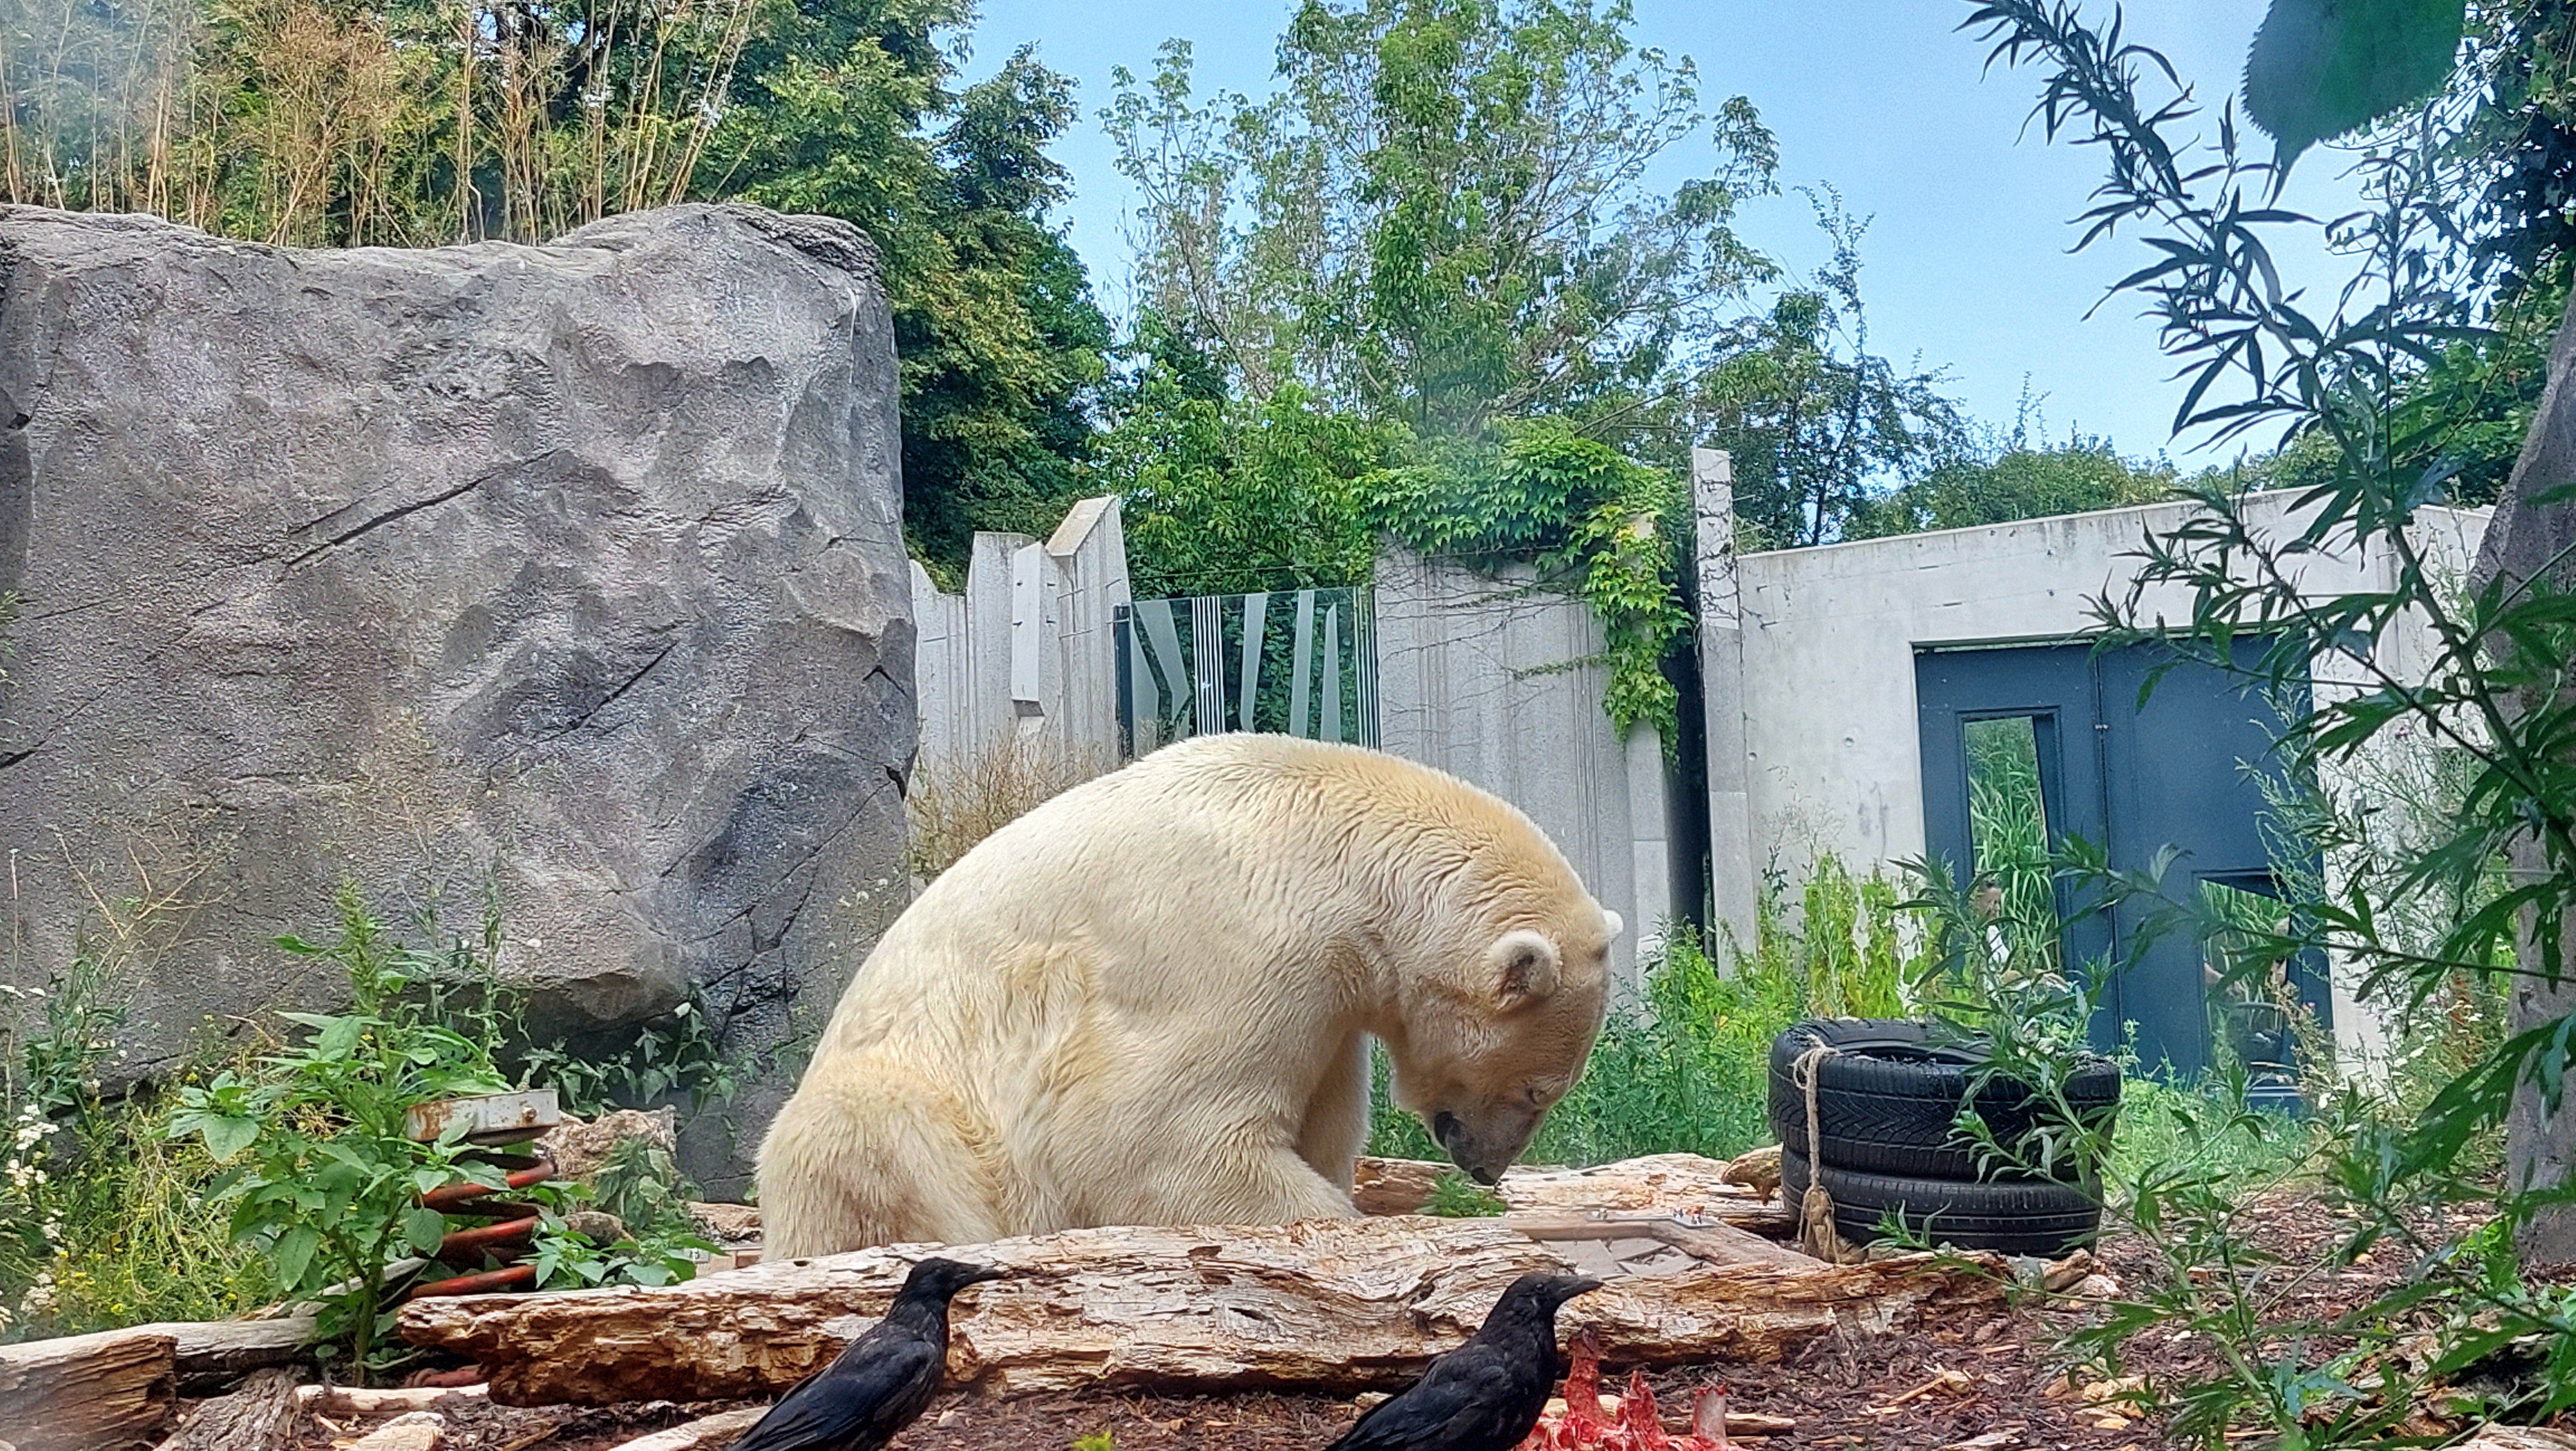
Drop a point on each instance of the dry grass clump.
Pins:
(957, 803)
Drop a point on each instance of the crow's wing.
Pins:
(1469, 1400)
(857, 1402)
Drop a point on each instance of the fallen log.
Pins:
(1716, 1242)
(1666, 1182)
(1324, 1305)
(258, 1417)
(101, 1392)
(231, 1346)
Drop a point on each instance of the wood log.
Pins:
(1666, 1182)
(2518, 1438)
(703, 1434)
(260, 1416)
(337, 1400)
(101, 1392)
(1324, 1305)
(1716, 1242)
(231, 1346)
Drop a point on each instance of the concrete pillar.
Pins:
(939, 666)
(989, 713)
(1735, 873)
(1037, 663)
(1088, 552)
(1650, 847)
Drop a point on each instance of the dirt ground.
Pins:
(1885, 1391)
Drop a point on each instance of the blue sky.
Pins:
(1965, 264)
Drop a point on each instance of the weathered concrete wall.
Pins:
(1500, 683)
(1029, 649)
(580, 561)
(1824, 699)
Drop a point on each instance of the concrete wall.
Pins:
(1500, 683)
(1815, 679)
(1028, 648)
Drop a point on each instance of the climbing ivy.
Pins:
(1587, 515)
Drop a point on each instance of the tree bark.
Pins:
(1328, 1305)
(260, 1416)
(102, 1392)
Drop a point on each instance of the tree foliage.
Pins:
(1444, 216)
(1818, 426)
(2022, 481)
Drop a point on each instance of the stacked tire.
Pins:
(1887, 1098)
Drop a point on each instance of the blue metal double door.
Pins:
(2185, 770)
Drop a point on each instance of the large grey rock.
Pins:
(581, 562)
(2533, 536)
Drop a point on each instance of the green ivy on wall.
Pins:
(1587, 515)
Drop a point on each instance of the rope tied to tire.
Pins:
(1816, 1233)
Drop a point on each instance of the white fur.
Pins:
(1149, 1001)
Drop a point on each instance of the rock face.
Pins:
(575, 570)
(2531, 536)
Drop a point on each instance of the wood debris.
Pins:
(101, 1392)
(700, 1435)
(1953, 1381)
(1329, 1305)
(410, 1431)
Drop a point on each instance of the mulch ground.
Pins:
(1850, 1392)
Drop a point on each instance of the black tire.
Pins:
(1886, 1098)
(2020, 1217)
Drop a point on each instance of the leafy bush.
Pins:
(319, 1174)
(321, 1177)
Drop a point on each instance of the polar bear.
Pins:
(1149, 1001)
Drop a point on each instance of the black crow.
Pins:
(1486, 1394)
(885, 1378)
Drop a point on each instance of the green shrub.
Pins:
(322, 1180)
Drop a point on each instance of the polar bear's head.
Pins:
(1489, 1043)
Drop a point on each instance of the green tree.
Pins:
(2019, 481)
(846, 112)
(1444, 216)
(1819, 426)
(1229, 495)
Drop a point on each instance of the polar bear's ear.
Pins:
(1523, 964)
(1613, 923)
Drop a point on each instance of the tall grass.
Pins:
(953, 804)
(1683, 1065)
(316, 123)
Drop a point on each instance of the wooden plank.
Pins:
(1326, 1305)
(102, 1392)
(228, 1346)
(1669, 1183)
